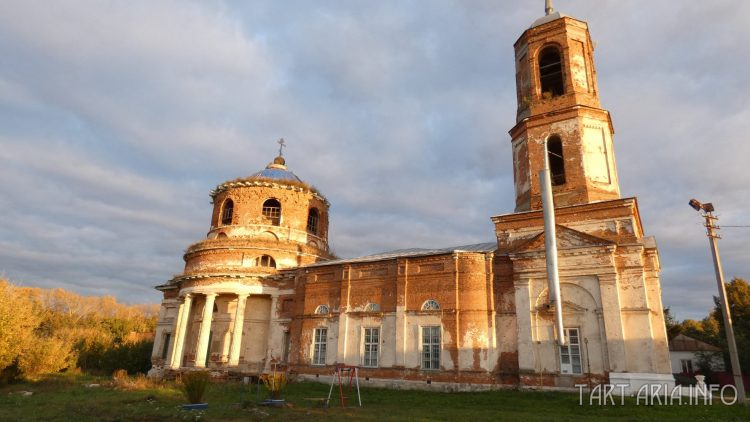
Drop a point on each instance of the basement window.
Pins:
(227, 212)
(272, 211)
(556, 161)
(550, 73)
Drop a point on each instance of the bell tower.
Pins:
(558, 100)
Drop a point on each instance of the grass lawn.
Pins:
(67, 398)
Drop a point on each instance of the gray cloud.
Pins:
(116, 119)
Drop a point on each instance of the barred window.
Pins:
(322, 310)
(272, 211)
(431, 347)
(319, 346)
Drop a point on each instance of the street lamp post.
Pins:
(707, 211)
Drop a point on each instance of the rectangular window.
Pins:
(287, 341)
(687, 366)
(371, 347)
(570, 354)
(165, 345)
(431, 347)
(319, 346)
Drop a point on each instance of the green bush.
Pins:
(194, 385)
(132, 357)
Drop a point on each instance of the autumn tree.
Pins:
(17, 323)
(738, 296)
(673, 327)
(45, 331)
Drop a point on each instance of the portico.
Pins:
(209, 325)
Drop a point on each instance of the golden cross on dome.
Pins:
(281, 146)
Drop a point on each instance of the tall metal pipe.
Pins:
(550, 244)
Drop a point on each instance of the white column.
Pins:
(181, 322)
(239, 320)
(208, 309)
(272, 319)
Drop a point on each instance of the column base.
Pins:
(156, 372)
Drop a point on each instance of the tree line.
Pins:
(45, 331)
(711, 328)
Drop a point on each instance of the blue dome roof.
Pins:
(276, 172)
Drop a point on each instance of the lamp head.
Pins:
(696, 204)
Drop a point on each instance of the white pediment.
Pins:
(567, 238)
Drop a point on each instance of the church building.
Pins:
(262, 290)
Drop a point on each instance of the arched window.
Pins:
(272, 211)
(222, 235)
(312, 221)
(265, 261)
(372, 307)
(226, 212)
(431, 305)
(322, 310)
(550, 73)
(556, 162)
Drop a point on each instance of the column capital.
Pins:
(211, 294)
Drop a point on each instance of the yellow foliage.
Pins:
(274, 382)
(45, 330)
(45, 356)
(17, 322)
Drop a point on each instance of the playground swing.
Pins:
(345, 375)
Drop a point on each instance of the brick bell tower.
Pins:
(558, 100)
(610, 292)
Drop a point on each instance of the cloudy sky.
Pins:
(118, 117)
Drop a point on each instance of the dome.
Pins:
(548, 18)
(276, 171)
